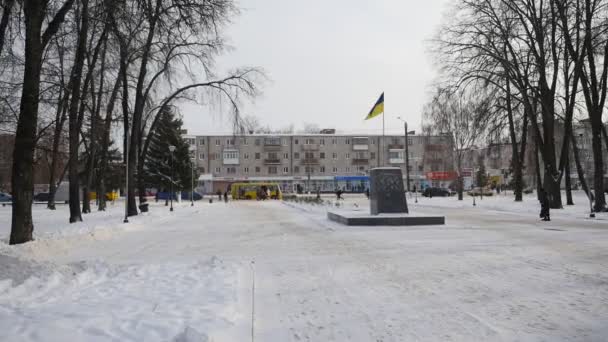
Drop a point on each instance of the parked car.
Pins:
(479, 191)
(41, 197)
(4, 197)
(436, 192)
(162, 195)
(186, 196)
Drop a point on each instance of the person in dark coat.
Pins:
(544, 205)
(219, 195)
(367, 193)
(225, 196)
(339, 194)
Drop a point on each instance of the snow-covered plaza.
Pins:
(280, 271)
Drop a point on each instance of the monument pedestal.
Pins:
(388, 204)
(358, 218)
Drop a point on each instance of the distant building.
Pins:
(309, 162)
(42, 165)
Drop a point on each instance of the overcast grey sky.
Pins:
(329, 60)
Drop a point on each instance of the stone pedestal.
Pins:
(387, 194)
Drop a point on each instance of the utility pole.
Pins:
(407, 155)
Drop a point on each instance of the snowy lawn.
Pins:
(495, 272)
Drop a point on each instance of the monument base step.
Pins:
(360, 218)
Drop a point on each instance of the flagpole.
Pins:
(383, 142)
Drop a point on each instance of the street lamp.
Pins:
(406, 150)
(192, 181)
(171, 149)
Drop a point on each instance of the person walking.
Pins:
(225, 196)
(367, 193)
(544, 205)
(339, 194)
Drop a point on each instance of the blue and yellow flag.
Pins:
(377, 109)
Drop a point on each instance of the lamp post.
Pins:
(407, 156)
(171, 149)
(126, 220)
(192, 181)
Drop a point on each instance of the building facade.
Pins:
(317, 161)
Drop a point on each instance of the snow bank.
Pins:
(101, 302)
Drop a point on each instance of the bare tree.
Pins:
(36, 40)
(459, 113)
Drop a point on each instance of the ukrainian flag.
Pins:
(377, 109)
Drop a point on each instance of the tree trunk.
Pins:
(579, 168)
(22, 180)
(59, 122)
(74, 134)
(515, 159)
(6, 15)
(598, 165)
(105, 142)
(569, 200)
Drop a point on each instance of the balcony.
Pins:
(309, 161)
(396, 161)
(310, 147)
(395, 147)
(360, 161)
(272, 161)
(272, 144)
(360, 147)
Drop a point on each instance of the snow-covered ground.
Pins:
(218, 272)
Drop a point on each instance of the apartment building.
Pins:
(317, 161)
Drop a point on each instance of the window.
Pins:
(347, 155)
(218, 142)
(361, 168)
(285, 155)
(322, 141)
(231, 154)
(372, 141)
(201, 156)
(309, 141)
(309, 155)
(334, 155)
(285, 170)
(218, 169)
(284, 142)
(230, 142)
(334, 141)
(347, 169)
(296, 155)
(347, 142)
(372, 155)
(257, 155)
(246, 155)
(295, 141)
(322, 169)
(335, 170)
(246, 170)
(273, 155)
(257, 142)
(409, 141)
(257, 169)
(309, 169)
(231, 170)
(296, 169)
(213, 156)
(272, 170)
(244, 141)
(322, 155)
(201, 141)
